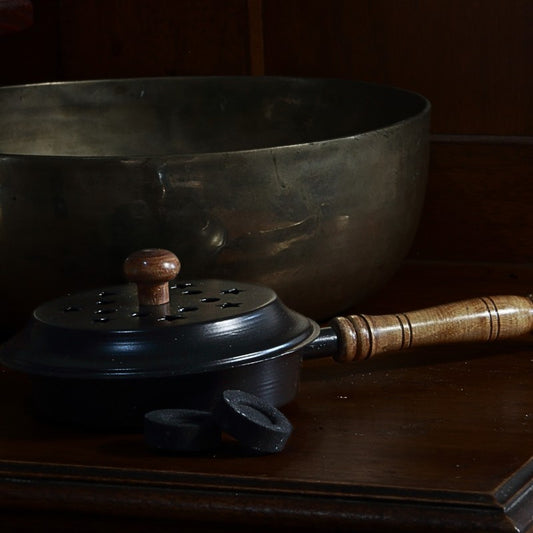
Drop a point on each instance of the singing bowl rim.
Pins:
(424, 109)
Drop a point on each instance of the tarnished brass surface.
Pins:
(312, 187)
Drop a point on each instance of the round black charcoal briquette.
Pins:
(253, 422)
(181, 430)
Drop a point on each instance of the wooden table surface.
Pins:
(436, 439)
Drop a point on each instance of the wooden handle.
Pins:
(477, 320)
(151, 269)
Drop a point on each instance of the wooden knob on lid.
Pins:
(151, 269)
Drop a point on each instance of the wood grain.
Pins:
(482, 319)
(84, 39)
(152, 269)
(33, 55)
(118, 38)
(478, 204)
(471, 59)
(15, 15)
(255, 32)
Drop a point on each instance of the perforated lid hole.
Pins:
(170, 318)
(232, 291)
(106, 311)
(181, 285)
(225, 305)
(187, 309)
(139, 314)
(104, 294)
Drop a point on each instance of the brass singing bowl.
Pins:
(312, 187)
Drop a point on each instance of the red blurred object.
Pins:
(15, 15)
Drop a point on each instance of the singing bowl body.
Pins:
(312, 187)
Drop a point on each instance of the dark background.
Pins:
(471, 58)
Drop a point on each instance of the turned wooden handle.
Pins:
(151, 269)
(477, 320)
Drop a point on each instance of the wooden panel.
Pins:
(256, 46)
(479, 203)
(122, 38)
(471, 59)
(32, 55)
(82, 39)
(15, 15)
